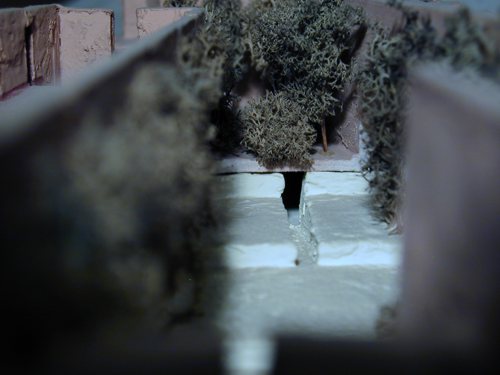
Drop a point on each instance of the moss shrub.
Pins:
(382, 85)
(302, 49)
(213, 56)
(146, 184)
(276, 131)
(180, 3)
(110, 226)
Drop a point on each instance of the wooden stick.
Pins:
(323, 136)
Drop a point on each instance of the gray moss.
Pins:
(213, 56)
(146, 187)
(180, 3)
(304, 42)
(275, 130)
(109, 224)
(216, 46)
(304, 50)
(382, 85)
(301, 48)
(465, 45)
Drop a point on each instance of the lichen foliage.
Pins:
(382, 85)
(303, 50)
(213, 55)
(276, 131)
(180, 3)
(212, 50)
(465, 45)
(300, 48)
(146, 186)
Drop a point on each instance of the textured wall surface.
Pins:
(85, 38)
(479, 5)
(452, 209)
(114, 5)
(45, 64)
(152, 20)
(13, 63)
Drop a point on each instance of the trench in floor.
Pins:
(306, 297)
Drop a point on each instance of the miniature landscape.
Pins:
(258, 169)
(306, 84)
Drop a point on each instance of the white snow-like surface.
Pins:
(261, 255)
(348, 235)
(342, 183)
(348, 253)
(254, 185)
(249, 355)
(258, 230)
(311, 301)
(334, 207)
(348, 266)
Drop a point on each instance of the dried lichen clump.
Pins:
(277, 132)
(300, 48)
(305, 43)
(147, 186)
(213, 56)
(382, 86)
(466, 46)
(180, 3)
(217, 46)
(107, 227)
(304, 50)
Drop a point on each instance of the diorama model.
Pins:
(127, 204)
(305, 57)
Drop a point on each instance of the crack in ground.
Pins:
(304, 240)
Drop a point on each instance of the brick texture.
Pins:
(13, 59)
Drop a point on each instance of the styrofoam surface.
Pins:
(339, 301)
(261, 255)
(254, 185)
(258, 228)
(335, 208)
(334, 183)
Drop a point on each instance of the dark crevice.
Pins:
(28, 36)
(293, 189)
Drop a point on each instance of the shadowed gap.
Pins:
(28, 37)
(293, 189)
(291, 195)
